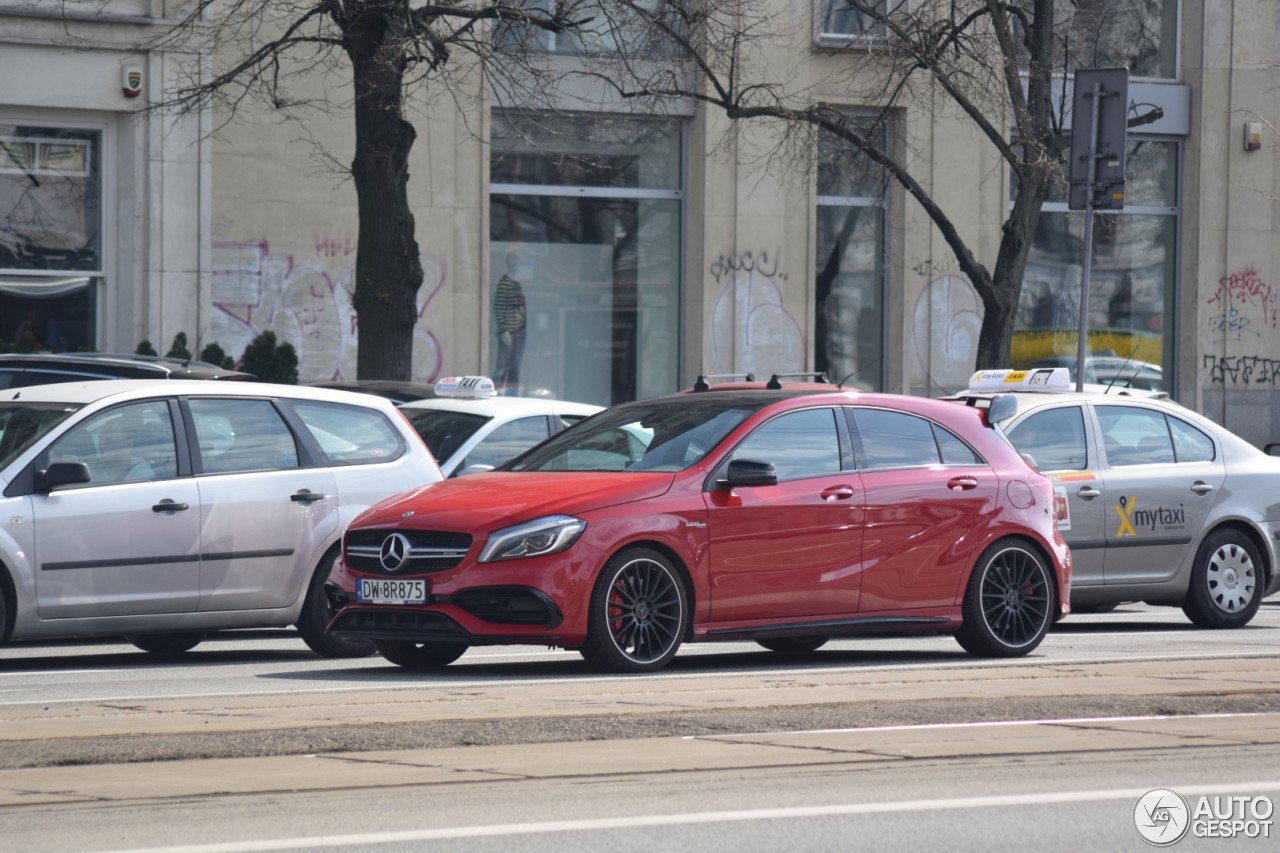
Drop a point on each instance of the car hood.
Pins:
(492, 500)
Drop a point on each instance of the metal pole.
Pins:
(1082, 345)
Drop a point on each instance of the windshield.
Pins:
(444, 431)
(657, 435)
(21, 424)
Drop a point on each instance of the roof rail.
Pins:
(775, 381)
(702, 385)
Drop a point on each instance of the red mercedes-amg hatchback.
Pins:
(781, 514)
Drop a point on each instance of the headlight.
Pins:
(536, 538)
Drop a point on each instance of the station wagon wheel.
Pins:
(432, 654)
(1009, 601)
(166, 645)
(639, 613)
(316, 615)
(1224, 590)
(793, 645)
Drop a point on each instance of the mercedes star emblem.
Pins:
(394, 552)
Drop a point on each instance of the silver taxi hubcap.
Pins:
(1231, 578)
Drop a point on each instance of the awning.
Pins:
(42, 287)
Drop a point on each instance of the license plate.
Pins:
(391, 591)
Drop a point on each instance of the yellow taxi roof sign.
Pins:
(1039, 379)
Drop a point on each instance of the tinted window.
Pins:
(22, 423)
(953, 450)
(350, 435)
(894, 440)
(444, 431)
(1054, 439)
(1133, 436)
(1189, 443)
(124, 444)
(508, 441)
(242, 435)
(799, 444)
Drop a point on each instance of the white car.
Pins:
(470, 428)
(161, 511)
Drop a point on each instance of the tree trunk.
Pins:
(388, 267)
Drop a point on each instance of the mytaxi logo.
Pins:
(1124, 509)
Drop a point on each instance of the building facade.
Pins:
(647, 248)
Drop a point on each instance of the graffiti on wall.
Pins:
(1242, 369)
(751, 330)
(1245, 306)
(945, 327)
(306, 301)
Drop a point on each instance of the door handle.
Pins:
(837, 493)
(306, 496)
(1088, 492)
(961, 484)
(1201, 488)
(168, 505)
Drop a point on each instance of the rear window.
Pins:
(443, 431)
(350, 435)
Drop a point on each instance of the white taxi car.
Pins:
(161, 511)
(470, 428)
(1158, 504)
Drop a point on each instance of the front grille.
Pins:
(429, 550)
(507, 605)
(385, 624)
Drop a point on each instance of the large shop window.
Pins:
(585, 249)
(849, 292)
(1132, 281)
(50, 238)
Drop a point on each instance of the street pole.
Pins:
(1082, 345)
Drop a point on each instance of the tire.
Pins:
(1225, 589)
(429, 655)
(639, 613)
(316, 615)
(793, 645)
(1009, 601)
(166, 645)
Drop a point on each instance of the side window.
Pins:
(894, 440)
(799, 444)
(1189, 443)
(1054, 439)
(125, 444)
(242, 435)
(1133, 436)
(350, 435)
(507, 441)
(953, 450)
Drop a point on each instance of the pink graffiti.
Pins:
(333, 247)
(1246, 288)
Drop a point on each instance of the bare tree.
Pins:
(252, 49)
(997, 62)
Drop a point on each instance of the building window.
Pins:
(602, 28)
(839, 23)
(1131, 282)
(849, 291)
(1141, 35)
(585, 249)
(50, 237)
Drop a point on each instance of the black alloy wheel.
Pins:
(639, 613)
(1009, 601)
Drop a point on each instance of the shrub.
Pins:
(269, 361)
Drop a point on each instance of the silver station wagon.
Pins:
(1157, 503)
(163, 510)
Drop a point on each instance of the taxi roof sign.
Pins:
(466, 386)
(1041, 379)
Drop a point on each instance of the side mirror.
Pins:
(749, 472)
(1272, 449)
(61, 474)
(1030, 460)
(478, 468)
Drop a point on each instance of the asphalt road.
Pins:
(253, 743)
